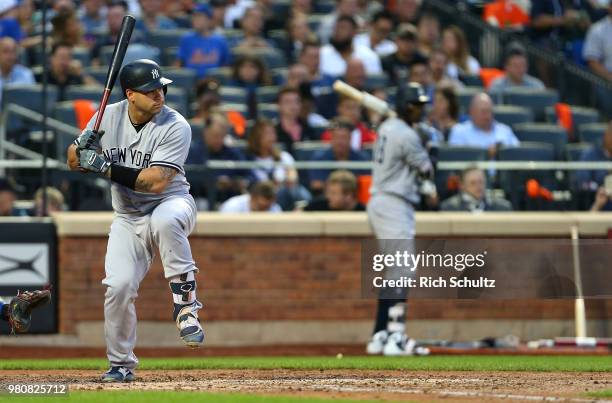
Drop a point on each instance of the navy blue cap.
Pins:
(203, 9)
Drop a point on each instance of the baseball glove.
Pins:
(21, 306)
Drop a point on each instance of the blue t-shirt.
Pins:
(199, 154)
(201, 53)
(10, 27)
(328, 155)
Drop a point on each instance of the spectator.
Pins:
(209, 99)
(152, 19)
(68, 29)
(320, 85)
(428, 33)
(109, 35)
(350, 111)
(341, 48)
(252, 28)
(438, 63)
(397, 64)
(343, 8)
(9, 25)
(92, 15)
(340, 194)
(516, 75)
(598, 54)
(202, 50)
(24, 15)
(472, 195)
(593, 181)
(506, 15)
(298, 34)
(339, 150)
(297, 74)
(377, 37)
(64, 71)
(308, 112)
(218, 16)
(262, 149)
(10, 71)
(290, 127)
(55, 201)
(420, 73)
(7, 199)
(455, 45)
(235, 11)
(444, 113)
(250, 72)
(408, 11)
(482, 130)
(261, 197)
(355, 74)
(211, 146)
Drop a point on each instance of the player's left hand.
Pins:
(91, 161)
(21, 306)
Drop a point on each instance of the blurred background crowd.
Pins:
(508, 80)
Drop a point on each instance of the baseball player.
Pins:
(18, 312)
(141, 147)
(399, 162)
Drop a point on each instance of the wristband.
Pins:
(124, 176)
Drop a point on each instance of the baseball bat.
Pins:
(127, 26)
(369, 101)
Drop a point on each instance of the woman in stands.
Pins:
(455, 45)
(276, 165)
(250, 72)
(445, 110)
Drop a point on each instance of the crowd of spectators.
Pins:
(263, 75)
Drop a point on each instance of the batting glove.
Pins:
(91, 161)
(89, 140)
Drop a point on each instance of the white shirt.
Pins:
(242, 204)
(468, 135)
(453, 71)
(279, 173)
(332, 63)
(236, 12)
(384, 48)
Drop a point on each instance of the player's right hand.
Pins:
(89, 140)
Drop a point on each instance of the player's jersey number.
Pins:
(379, 152)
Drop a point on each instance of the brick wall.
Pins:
(271, 278)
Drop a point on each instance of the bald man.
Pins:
(10, 71)
(482, 130)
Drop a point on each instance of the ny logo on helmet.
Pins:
(155, 74)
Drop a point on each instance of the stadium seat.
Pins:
(64, 112)
(591, 132)
(279, 75)
(314, 20)
(99, 73)
(267, 110)
(233, 94)
(169, 56)
(267, 94)
(182, 78)
(512, 114)
(273, 58)
(222, 74)
(543, 133)
(197, 127)
(580, 115)
(28, 96)
(242, 108)
(82, 55)
(446, 153)
(324, 7)
(280, 7)
(177, 97)
(376, 81)
(472, 81)
(465, 95)
(134, 51)
(303, 150)
(279, 37)
(575, 150)
(536, 100)
(91, 92)
(166, 38)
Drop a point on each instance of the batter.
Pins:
(142, 146)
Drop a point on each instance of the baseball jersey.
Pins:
(397, 159)
(163, 141)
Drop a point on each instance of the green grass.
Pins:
(601, 393)
(171, 396)
(432, 363)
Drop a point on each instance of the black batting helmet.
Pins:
(142, 75)
(410, 94)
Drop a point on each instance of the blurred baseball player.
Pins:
(400, 161)
(143, 152)
(18, 312)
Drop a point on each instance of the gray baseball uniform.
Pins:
(143, 220)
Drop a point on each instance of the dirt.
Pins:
(385, 385)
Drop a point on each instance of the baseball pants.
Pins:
(129, 255)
